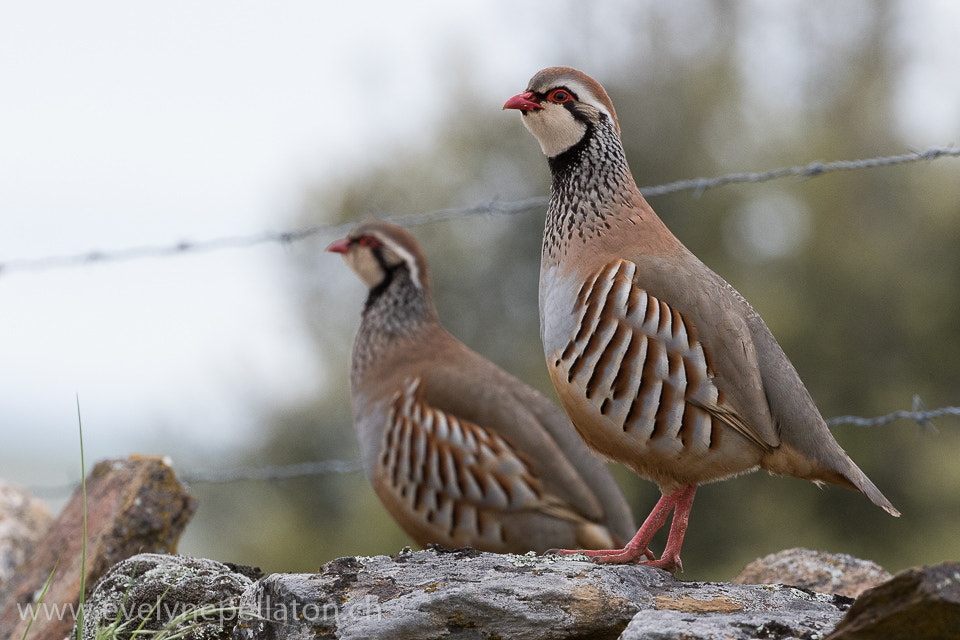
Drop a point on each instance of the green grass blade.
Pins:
(43, 593)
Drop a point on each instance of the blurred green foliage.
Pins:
(856, 273)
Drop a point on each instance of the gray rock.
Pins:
(815, 570)
(670, 625)
(917, 604)
(152, 592)
(467, 594)
(23, 521)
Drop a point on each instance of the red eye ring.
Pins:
(368, 242)
(559, 96)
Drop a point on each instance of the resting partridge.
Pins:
(460, 452)
(659, 362)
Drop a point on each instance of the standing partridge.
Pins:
(460, 452)
(659, 362)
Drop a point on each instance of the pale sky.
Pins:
(125, 124)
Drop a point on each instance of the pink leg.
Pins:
(680, 502)
(670, 559)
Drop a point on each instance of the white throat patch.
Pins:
(555, 128)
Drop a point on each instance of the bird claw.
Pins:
(670, 565)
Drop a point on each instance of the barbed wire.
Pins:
(272, 472)
(920, 417)
(275, 473)
(811, 170)
(918, 414)
(493, 207)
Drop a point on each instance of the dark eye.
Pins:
(368, 242)
(559, 96)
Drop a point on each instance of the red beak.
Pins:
(340, 246)
(523, 101)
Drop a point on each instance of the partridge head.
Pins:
(460, 452)
(658, 361)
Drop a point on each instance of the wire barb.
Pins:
(494, 207)
(922, 418)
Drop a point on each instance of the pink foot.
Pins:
(637, 550)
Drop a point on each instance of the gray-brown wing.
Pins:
(642, 364)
